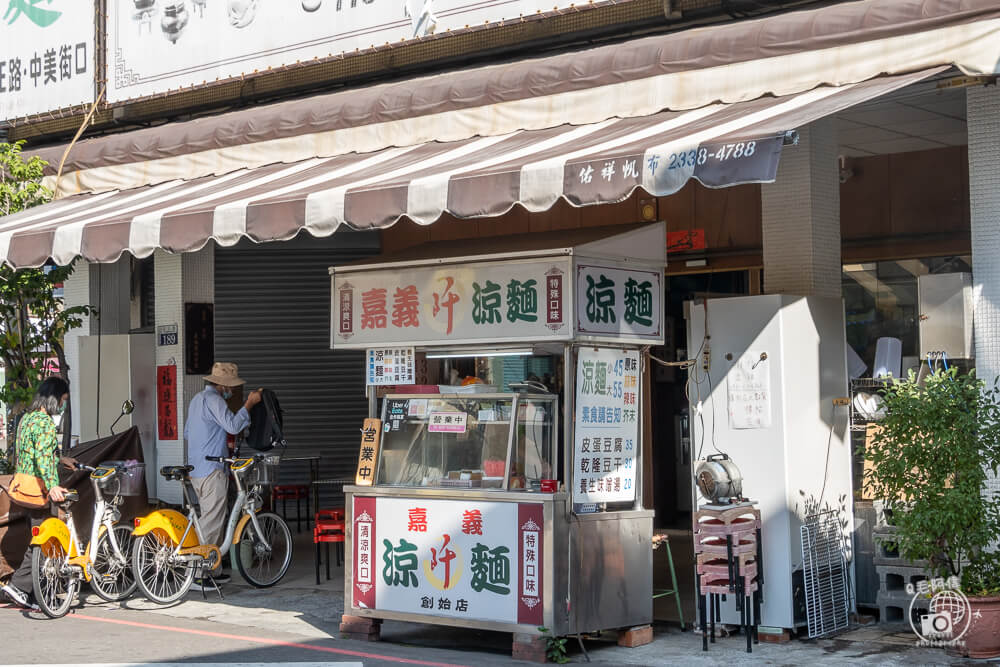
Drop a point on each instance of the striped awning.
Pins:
(719, 145)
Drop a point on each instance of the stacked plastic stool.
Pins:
(728, 553)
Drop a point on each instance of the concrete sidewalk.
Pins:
(297, 606)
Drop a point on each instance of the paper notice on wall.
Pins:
(749, 384)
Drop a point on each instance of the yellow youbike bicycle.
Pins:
(169, 547)
(58, 565)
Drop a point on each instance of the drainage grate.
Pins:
(825, 574)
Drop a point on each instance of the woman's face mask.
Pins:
(227, 394)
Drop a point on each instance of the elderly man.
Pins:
(208, 421)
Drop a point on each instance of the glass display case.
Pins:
(473, 441)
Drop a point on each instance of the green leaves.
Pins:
(33, 321)
(555, 647)
(929, 462)
(20, 181)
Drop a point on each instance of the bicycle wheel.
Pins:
(112, 577)
(159, 579)
(263, 558)
(55, 588)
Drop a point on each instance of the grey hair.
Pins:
(48, 403)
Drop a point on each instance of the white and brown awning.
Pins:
(718, 144)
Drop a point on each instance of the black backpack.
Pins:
(266, 421)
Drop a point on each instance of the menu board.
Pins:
(390, 366)
(607, 425)
(750, 392)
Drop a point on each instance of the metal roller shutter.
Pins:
(272, 317)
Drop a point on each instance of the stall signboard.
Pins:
(486, 302)
(46, 56)
(606, 436)
(613, 301)
(474, 560)
(154, 48)
(390, 366)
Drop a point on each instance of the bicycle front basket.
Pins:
(265, 472)
(132, 481)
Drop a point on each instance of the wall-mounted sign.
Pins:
(167, 335)
(371, 436)
(199, 338)
(46, 56)
(480, 302)
(749, 390)
(155, 47)
(452, 558)
(390, 366)
(166, 402)
(607, 425)
(616, 301)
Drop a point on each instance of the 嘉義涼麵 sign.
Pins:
(469, 303)
(463, 559)
(495, 302)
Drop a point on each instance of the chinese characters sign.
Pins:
(371, 434)
(616, 301)
(486, 302)
(475, 560)
(750, 392)
(390, 366)
(166, 402)
(155, 47)
(46, 56)
(607, 425)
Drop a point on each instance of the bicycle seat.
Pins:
(176, 472)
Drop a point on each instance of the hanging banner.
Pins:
(155, 47)
(453, 558)
(607, 425)
(486, 302)
(46, 56)
(166, 402)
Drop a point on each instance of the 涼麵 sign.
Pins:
(454, 558)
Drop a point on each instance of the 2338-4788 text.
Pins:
(697, 157)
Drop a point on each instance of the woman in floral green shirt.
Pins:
(38, 455)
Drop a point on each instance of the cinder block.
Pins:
(894, 578)
(638, 636)
(895, 606)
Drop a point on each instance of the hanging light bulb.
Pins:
(242, 12)
(311, 5)
(175, 18)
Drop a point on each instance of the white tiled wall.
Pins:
(76, 292)
(983, 122)
(801, 217)
(179, 279)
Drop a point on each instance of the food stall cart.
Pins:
(518, 505)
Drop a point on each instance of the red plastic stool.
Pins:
(324, 532)
(296, 492)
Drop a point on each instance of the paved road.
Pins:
(111, 636)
